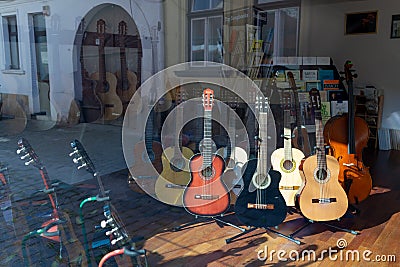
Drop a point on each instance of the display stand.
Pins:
(309, 222)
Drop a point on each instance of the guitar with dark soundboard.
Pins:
(300, 135)
(127, 80)
(261, 204)
(206, 194)
(112, 224)
(106, 81)
(54, 229)
(322, 198)
(287, 160)
(175, 176)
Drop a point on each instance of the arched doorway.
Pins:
(110, 63)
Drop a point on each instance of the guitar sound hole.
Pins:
(322, 175)
(177, 164)
(287, 165)
(106, 87)
(208, 172)
(261, 181)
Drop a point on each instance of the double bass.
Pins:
(347, 146)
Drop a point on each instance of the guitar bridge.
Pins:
(294, 187)
(324, 200)
(175, 186)
(260, 206)
(206, 197)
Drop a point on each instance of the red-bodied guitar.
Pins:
(322, 198)
(206, 194)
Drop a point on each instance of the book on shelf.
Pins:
(325, 75)
(296, 74)
(310, 75)
(339, 107)
(280, 76)
(313, 84)
(336, 95)
(330, 85)
(325, 111)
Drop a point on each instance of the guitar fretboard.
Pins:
(320, 142)
(207, 150)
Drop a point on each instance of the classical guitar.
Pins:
(206, 194)
(13, 118)
(235, 157)
(106, 81)
(127, 80)
(347, 146)
(175, 176)
(112, 223)
(300, 135)
(287, 160)
(322, 197)
(147, 164)
(261, 204)
(92, 109)
(59, 228)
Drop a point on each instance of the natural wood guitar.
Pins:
(106, 81)
(322, 197)
(13, 118)
(127, 80)
(206, 194)
(172, 182)
(287, 160)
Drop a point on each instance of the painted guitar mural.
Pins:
(287, 160)
(261, 204)
(175, 160)
(106, 81)
(322, 197)
(206, 194)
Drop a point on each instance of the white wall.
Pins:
(376, 57)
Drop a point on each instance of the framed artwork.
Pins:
(361, 23)
(395, 31)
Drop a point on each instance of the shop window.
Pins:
(11, 42)
(200, 5)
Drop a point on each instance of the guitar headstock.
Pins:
(315, 102)
(348, 72)
(81, 157)
(262, 104)
(122, 28)
(181, 95)
(286, 100)
(29, 155)
(208, 99)
(292, 82)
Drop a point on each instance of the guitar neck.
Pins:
(178, 142)
(320, 142)
(148, 137)
(287, 135)
(263, 138)
(207, 151)
(47, 184)
(351, 117)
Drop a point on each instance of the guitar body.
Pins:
(206, 195)
(13, 118)
(304, 144)
(311, 192)
(232, 175)
(92, 109)
(175, 176)
(126, 88)
(291, 180)
(353, 175)
(164, 103)
(262, 207)
(112, 105)
(145, 170)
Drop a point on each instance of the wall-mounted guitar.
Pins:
(112, 223)
(106, 81)
(300, 134)
(322, 198)
(127, 80)
(206, 194)
(261, 204)
(54, 228)
(235, 157)
(175, 160)
(347, 147)
(287, 160)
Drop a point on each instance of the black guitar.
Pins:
(261, 204)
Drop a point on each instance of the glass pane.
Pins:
(216, 4)
(214, 39)
(200, 5)
(288, 25)
(268, 1)
(198, 32)
(13, 39)
(267, 35)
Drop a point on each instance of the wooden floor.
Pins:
(204, 243)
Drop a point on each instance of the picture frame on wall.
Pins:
(361, 23)
(395, 30)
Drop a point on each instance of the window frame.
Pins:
(9, 56)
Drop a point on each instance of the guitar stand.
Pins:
(309, 222)
(207, 220)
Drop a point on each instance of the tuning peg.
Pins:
(104, 223)
(81, 166)
(114, 241)
(20, 150)
(112, 231)
(24, 156)
(28, 162)
(76, 160)
(73, 153)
